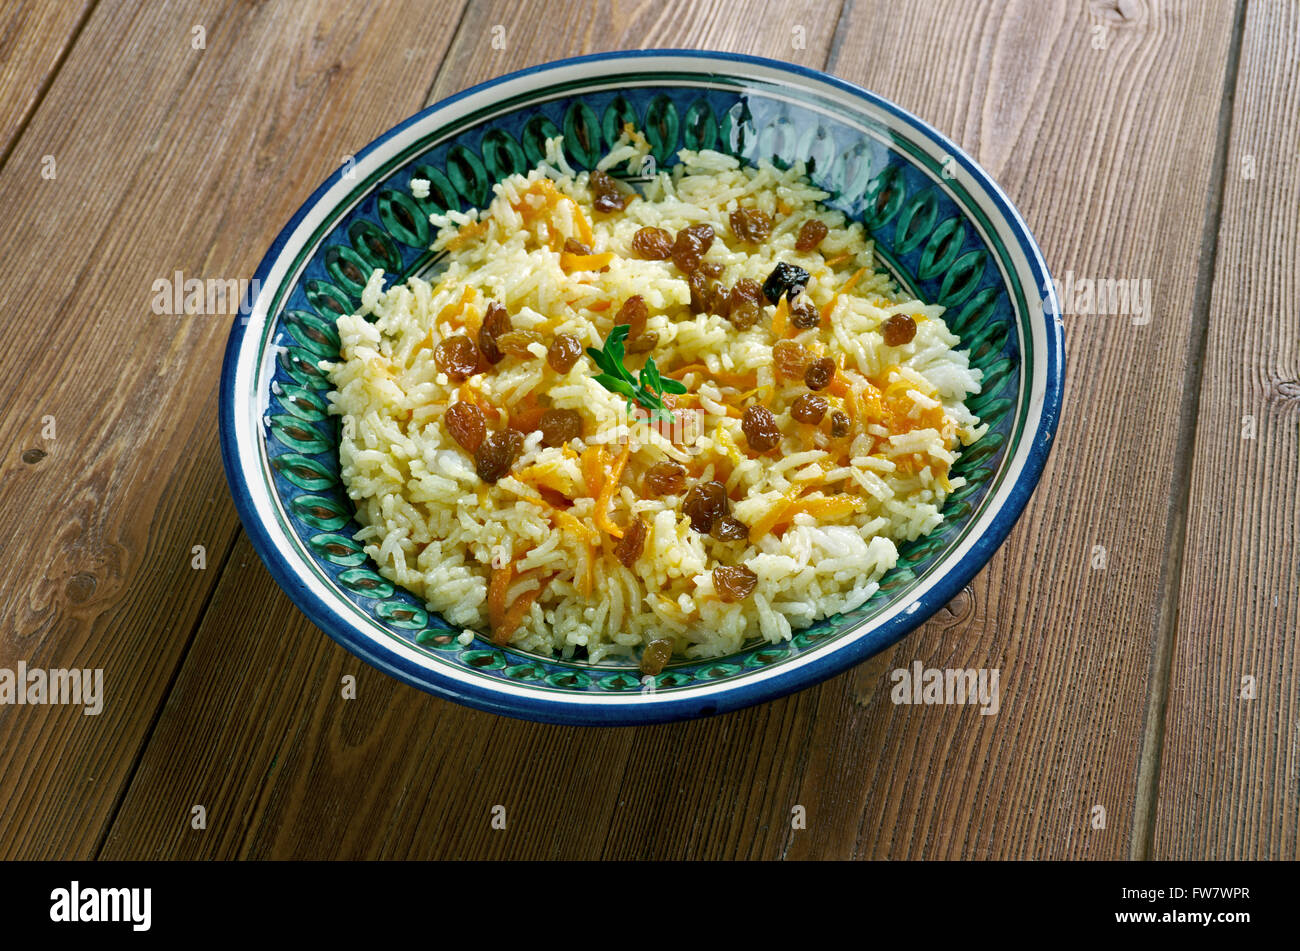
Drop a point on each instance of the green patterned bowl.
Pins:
(941, 225)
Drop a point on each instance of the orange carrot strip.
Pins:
(601, 513)
(838, 259)
(778, 318)
(775, 515)
(601, 305)
(848, 286)
(585, 262)
(593, 468)
(502, 633)
(497, 592)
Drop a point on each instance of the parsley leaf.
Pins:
(647, 389)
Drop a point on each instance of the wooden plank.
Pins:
(1101, 128)
(34, 37)
(171, 158)
(1230, 778)
(295, 770)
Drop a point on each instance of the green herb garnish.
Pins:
(647, 389)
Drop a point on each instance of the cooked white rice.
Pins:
(435, 528)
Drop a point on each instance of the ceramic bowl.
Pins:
(942, 226)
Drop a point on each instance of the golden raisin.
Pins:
(495, 323)
(607, 196)
(656, 655)
(690, 246)
(497, 453)
(898, 330)
(728, 528)
(810, 235)
(789, 359)
(751, 225)
(734, 583)
(642, 342)
(809, 408)
(634, 313)
(558, 426)
(573, 246)
(630, 546)
(516, 343)
(805, 316)
(563, 353)
(457, 357)
(665, 478)
(466, 424)
(819, 374)
(840, 424)
(653, 244)
(760, 429)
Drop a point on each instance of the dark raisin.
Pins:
(700, 295)
(653, 244)
(809, 408)
(630, 546)
(734, 582)
(558, 426)
(786, 280)
(704, 504)
(744, 314)
(710, 269)
(747, 289)
(840, 424)
(728, 528)
(810, 235)
(516, 343)
(665, 478)
(805, 316)
(495, 323)
(466, 424)
(573, 246)
(457, 357)
(898, 330)
(563, 353)
(751, 225)
(691, 245)
(789, 359)
(642, 343)
(656, 655)
(819, 374)
(634, 313)
(759, 427)
(497, 453)
(607, 195)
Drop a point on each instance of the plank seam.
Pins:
(1147, 792)
(35, 107)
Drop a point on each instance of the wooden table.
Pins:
(1143, 614)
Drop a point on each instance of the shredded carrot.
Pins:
(848, 286)
(585, 262)
(593, 468)
(497, 592)
(775, 515)
(527, 416)
(778, 318)
(501, 633)
(836, 506)
(599, 306)
(466, 233)
(838, 259)
(601, 513)
(738, 380)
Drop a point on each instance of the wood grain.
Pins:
(1230, 776)
(34, 36)
(306, 783)
(171, 157)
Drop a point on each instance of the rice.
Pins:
(526, 560)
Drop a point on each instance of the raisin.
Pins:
(734, 583)
(744, 314)
(690, 246)
(466, 424)
(759, 427)
(819, 374)
(495, 323)
(558, 426)
(809, 408)
(665, 478)
(789, 359)
(727, 528)
(746, 289)
(634, 313)
(810, 235)
(563, 353)
(607, 195)
(457, 357)
(642, 343)
(497, 453)
(704, 504)
(656, 655)
(516, 343)
(573, 246)
(839, 424)
(786, 280)
(630, 546)
(805, 316)
(701, 295)
(653, 244)
(898, 330)
(751, 225)
(710, 269)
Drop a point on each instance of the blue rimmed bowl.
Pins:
(939, 222)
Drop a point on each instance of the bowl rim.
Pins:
(580, 709)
